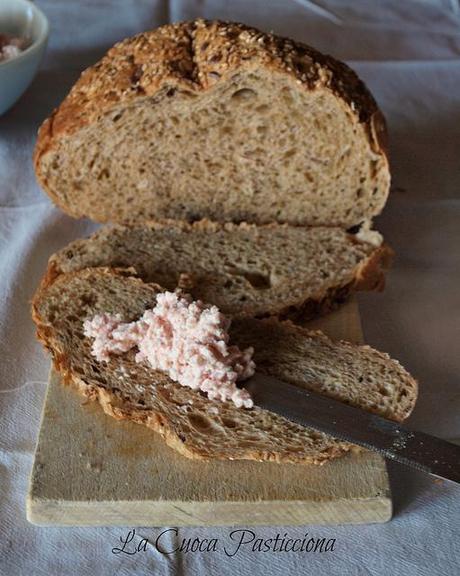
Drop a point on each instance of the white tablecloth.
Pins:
(408, 52)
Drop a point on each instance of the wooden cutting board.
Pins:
(90, 469)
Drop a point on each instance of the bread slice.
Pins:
(188, 421)
(216, 120)
(246, 270)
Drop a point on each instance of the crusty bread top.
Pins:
(196, 55)
(246, 270)
(190, 422)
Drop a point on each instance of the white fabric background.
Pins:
(408, 52)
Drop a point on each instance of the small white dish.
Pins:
(21, 18)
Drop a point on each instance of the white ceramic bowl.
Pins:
(21, 18)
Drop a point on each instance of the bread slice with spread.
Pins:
(188, 421)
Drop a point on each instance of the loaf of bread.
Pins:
(216, 120)
(188, 421)
(245, 169)
(246, 270)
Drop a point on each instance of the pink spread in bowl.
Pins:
(188, 340)
(11, 46)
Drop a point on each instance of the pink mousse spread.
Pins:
(188, 340)
(11, 46)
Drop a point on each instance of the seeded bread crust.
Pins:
(147, 249)
(194, 57)
(187, 420)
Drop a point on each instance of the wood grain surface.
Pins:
(90, 469)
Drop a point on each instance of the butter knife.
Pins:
(313, 410)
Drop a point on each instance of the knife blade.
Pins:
(313, 410)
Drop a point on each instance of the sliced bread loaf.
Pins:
(216, 120)
(190, 422)
(246, 270)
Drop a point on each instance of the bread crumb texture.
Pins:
(245, 270)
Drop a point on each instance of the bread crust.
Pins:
(194, 56)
